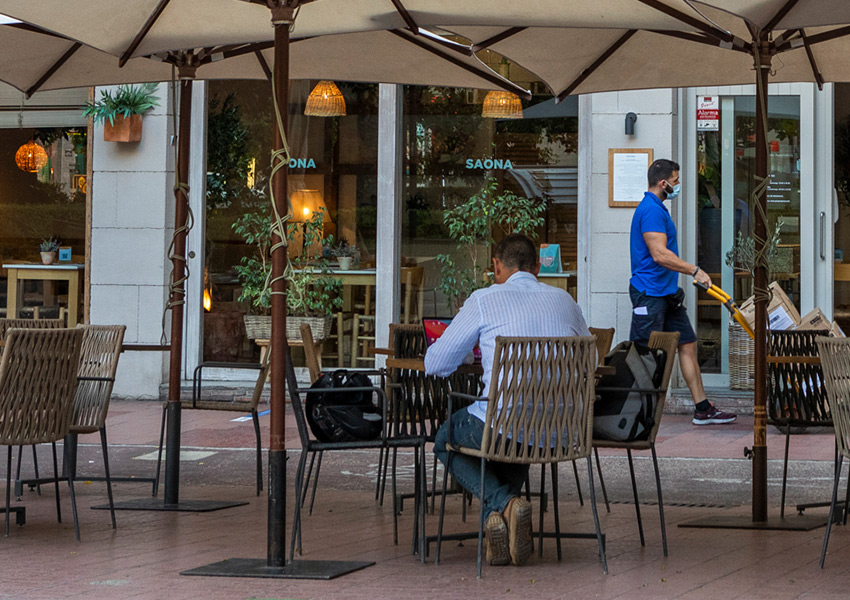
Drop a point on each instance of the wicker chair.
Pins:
(835, 362)
(240, 405)
(604, 340)
(669, 342)
(38, 378)
(542, 389)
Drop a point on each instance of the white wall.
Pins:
(132, 223)
(604, 267)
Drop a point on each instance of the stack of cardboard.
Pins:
(782, 315)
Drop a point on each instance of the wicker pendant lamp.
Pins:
(325, 101)
(500, 104)
(30, 157)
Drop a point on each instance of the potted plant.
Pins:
(313, 293)
(344, 252)
(121, 112)
(48, 249)
(471, 225)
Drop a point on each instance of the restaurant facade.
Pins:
(383, 176)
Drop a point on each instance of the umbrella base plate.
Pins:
(298, 569)
(181, 506)
(792, 523)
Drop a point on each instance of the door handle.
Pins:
(822, 235)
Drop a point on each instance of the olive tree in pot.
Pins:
(312, 292)
(471, 225)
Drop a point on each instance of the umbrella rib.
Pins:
(499, 37)
(490, 77)
(143, 32)
(812, 62)
(700, 39)
(780, 15)
(263, 64)
(408, 18)
(826, 36)
(597, 63)
(689, 20)
(54, 67)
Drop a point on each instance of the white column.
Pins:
(132, 223)
(388, 247)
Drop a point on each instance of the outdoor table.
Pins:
(48, 273)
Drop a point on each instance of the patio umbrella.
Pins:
(785, 40)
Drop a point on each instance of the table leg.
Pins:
(13, 295)
(73, 298)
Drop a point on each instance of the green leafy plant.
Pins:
(49, 245)
(471, 226)
(312, 291)
(340, 248)
(127, 100)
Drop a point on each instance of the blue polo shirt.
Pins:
(648, 276)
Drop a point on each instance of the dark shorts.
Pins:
(659, 317)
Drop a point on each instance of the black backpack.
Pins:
(343, 416)
(621, 415)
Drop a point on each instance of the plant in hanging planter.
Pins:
(121, 112)
(471, 226)
(48, 249)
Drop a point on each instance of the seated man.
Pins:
(518, 305)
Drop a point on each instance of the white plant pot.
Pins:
(48, 258)
(345, 262)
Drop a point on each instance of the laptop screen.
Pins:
(434, 328)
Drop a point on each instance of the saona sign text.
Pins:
(488, 163)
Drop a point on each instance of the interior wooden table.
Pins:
(48, 273)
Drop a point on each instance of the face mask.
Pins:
(673, 191)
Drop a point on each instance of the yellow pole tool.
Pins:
(726, 300)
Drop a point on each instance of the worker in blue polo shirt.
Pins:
(657, 299)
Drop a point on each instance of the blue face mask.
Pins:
(673, 191)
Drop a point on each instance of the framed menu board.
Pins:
(627, 169)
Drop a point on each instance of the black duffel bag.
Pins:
(340, 415)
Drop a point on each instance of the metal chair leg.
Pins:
(309, 473)
(484, 508)
(105, 451)
(540, 515)
(384, 476)
(395, 498)
(578, 484)
(785, 472)
(159, 454)
(637, 501)
(660, 499)
(299, 490)
(35, 469)
(555, 507)
(433, 485)
(599, 539)
(442, 506)
(73, 503)
(601, 481)
(8, 487)
(56, 483)
(828, 522)
(378, 497)
(315, 483)
(256, 418)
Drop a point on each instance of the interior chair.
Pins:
(542, 390)
(233, 404)
(412, 282)
(310, 445)
(669, 342)
(38, 378)
(795, 394)
(835, 362)
(604, 341)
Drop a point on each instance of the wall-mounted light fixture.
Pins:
(630, 123)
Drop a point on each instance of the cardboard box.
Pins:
(835, 331)
(781, 312)
(814, 320)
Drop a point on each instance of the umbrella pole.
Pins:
(277, 434)
(762, 64)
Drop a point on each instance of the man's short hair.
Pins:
(516, 251)
(662, 168)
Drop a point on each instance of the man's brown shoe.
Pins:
(518, 519)
(496, 536)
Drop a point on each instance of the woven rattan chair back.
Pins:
(795, 391)
(835, 362)
(604, 341)
(38, 377)
(98, 364)
(669, 342)
(542, 392)
(7, 324)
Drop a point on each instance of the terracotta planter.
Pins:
(48, 258)
(124, 129)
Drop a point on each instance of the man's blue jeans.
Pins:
(502, 481)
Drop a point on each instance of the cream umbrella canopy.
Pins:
(785, 40)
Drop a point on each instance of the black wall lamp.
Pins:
(630, 123)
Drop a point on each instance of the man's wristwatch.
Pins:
(695, 272)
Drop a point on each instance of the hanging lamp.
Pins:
(501, 105)
(30, 157)
(325, 101)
